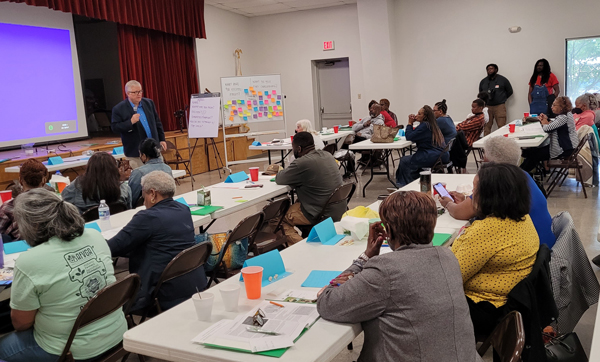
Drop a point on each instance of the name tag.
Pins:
(497, 86)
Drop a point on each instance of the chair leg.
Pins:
(582, 183)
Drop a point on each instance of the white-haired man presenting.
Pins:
(136, 119)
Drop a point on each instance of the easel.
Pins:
(208, 143)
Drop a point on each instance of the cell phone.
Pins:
(442, 190)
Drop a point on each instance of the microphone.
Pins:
(135, 109)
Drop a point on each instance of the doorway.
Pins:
(331, 84)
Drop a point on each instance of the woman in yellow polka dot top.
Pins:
(499, 249)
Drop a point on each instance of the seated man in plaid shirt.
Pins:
(473, 125)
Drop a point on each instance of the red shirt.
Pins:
(388, 120)
(552, 81)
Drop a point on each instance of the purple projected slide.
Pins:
(37, 89)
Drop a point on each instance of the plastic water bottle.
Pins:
(58, 173)
(104, 214)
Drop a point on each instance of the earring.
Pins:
(152, 200)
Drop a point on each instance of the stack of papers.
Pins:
(288, 322)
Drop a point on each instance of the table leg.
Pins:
(387, 155)
(371, 178)
(204, 229)
(269, 153)
(282, 159)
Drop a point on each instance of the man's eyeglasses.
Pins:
(136, 92)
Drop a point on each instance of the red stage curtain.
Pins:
(164, 64)
(181, 17)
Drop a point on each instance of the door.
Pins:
(333, 92)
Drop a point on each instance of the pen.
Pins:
(258, 330)
(277, 304)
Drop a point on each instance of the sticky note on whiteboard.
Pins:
(254, 116)
(231, 118)
(278, 103)
(245, 91)
(274, 92)
(228, 102)
(269, 116)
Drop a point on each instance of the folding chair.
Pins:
(266, 241)
(91, 214)
(340, 194)
(179, 160)
(105, 302)
(507, 339)
(560, 168)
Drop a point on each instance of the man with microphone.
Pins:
(136, 119)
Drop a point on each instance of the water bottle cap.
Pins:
(102, 201)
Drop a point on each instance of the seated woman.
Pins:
(499, 249)
(506, 150)
(445, 123)
(410, 302)
(153, 238)
(32, 174)
(304, 125)
(101, 181)
(585, 115)
(150, 157)
(430, 144)
(562, 136)
(66, 266)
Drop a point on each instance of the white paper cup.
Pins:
(231, 296)
(204, 305)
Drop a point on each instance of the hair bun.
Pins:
(444, 101)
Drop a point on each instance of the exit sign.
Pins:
(328, 45)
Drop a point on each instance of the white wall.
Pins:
(225, 32)
(443, 47)
(282, 44)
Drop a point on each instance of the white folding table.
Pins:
(286, 146)
(530, 135)
(68, 162)
(367, 145)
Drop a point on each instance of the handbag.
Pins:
(384, 134)
(566, 348)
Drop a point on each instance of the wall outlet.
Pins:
(359, 96)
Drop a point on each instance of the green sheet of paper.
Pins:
(204, 210)
(272, 353)
(440, 239)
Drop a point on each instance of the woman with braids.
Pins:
(65, 267)
(101, 181)
(543, 83)
(32, 175)
(430, 144)
(445, 123)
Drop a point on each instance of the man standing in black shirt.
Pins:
(499, 90)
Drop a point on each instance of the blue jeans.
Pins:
(22, 347)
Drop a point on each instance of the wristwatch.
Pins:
(364, 257)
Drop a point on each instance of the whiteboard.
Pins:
(204, 117)
(252, 99)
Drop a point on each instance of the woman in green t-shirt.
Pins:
(66, 266)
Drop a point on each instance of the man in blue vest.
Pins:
(136, 119)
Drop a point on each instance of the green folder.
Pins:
(272, 353)
(205, 210)
(440, 239)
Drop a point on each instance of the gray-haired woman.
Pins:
(66, 266)
(154, 237)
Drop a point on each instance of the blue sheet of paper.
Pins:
(256, 143)
(182, 200)
(118, 151)
(324, 232)
(56, 160)
(236, 177)
(18, 246)
(320, 278)
(272, 264)
(93, 225)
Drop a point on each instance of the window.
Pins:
(583, 66)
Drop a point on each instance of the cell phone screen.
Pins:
(442, 190)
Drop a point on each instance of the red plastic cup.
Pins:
(506, 135)
(252, 281)
(350, 123)
(292, 138)
(254, 173)
(5, 196)
(526, 114)
(336, 129)
(511, 128)
(61, 186)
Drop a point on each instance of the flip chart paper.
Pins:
(18, 246)
(181, 200)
